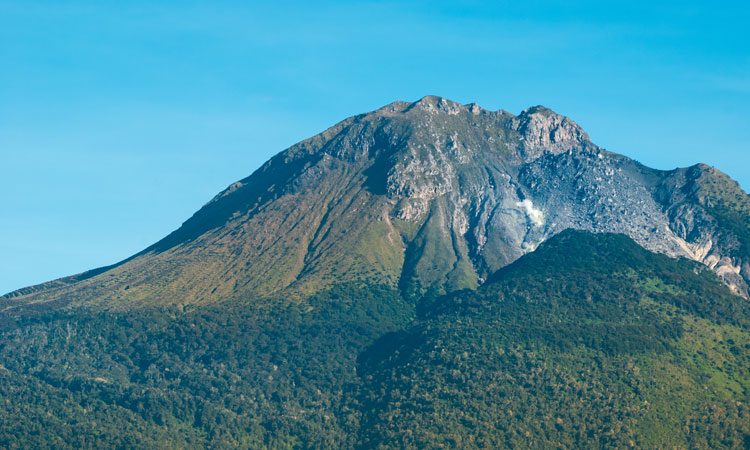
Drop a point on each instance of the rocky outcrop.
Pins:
(543, 131)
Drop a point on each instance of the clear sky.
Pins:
(119, 119)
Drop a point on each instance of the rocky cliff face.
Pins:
(428, 196)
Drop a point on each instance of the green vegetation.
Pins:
(252, 375)
(588, 342)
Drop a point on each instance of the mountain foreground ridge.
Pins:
(588, 342)
(430, 196)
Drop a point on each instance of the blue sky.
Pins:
(119, 119)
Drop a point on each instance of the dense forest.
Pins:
(588, 342)
(255, 375)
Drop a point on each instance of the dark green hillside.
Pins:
(590, 341)
(225, 376)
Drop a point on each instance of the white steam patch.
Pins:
(535, 216)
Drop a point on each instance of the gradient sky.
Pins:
(119, 119)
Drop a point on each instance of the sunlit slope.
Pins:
(427, 197)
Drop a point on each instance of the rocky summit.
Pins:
(430, 196)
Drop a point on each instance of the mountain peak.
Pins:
(438, 103)
(431, 104)
(541, 129)
(538, 109)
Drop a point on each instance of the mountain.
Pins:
(430, 196)
(393, 282)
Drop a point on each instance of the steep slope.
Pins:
(589, 342)
(430, 196)
(710, 212)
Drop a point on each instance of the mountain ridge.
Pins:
(431, 195)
